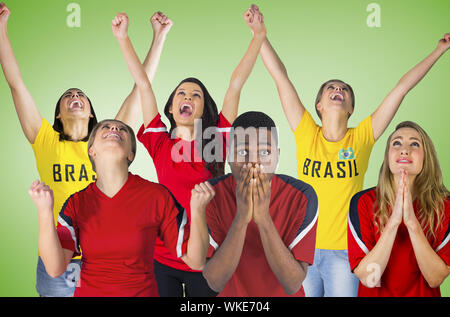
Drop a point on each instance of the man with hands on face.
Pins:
(262, 225)
(177, 150)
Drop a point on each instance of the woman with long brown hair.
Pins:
(192, 150)
(399, 230)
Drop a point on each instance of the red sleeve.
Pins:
(67, 228)
(304, 243)
(174, 227)
(153, 136)
(216, 234)
(361, 228)
(443, 249)
(224, 127)
(223, 123)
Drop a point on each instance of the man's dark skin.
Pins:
(253, 176)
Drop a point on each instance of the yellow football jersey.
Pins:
(62, 165)
(336, 172)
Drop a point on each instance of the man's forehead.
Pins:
(252, 135)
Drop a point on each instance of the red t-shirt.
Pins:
(118, 234)
(179, 167)
(402, 276)
(293, 208)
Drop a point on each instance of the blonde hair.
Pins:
(428, 186)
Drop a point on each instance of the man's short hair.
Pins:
(256, 119)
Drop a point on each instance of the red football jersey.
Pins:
(294, 210)
(402, 276)
(179, 167)
(118, 234)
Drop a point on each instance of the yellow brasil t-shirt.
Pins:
(336, 172)
(62, 165)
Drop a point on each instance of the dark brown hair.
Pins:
(58, 125)
(209, 118)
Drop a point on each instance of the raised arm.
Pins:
(147, 98)
(255, 21)
(290, 101)
(29, 116)
(388, 108)
(198, 242)
(55, 258)
(131, 108)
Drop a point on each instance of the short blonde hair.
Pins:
(319, 94)
(94, 133)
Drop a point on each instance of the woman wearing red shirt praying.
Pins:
(399, 233)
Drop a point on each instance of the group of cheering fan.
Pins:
(252, 232)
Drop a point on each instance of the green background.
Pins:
(317, 41)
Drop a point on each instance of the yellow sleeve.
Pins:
(364, 132)
(305, 129)
(46, 137)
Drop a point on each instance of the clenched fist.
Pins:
(4, 14)
(201, 195)
(42, 197)
(161, 24)
(120, 26)
(444, 43)
(255, 20)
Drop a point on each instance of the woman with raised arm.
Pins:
(131, 108)
(60, 150)
(192, 151)
(399, 231)
(334, 158)
(116, 219)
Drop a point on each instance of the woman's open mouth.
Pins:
(113, 135)
(337, 96)
(186, 110)
(75, 105)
